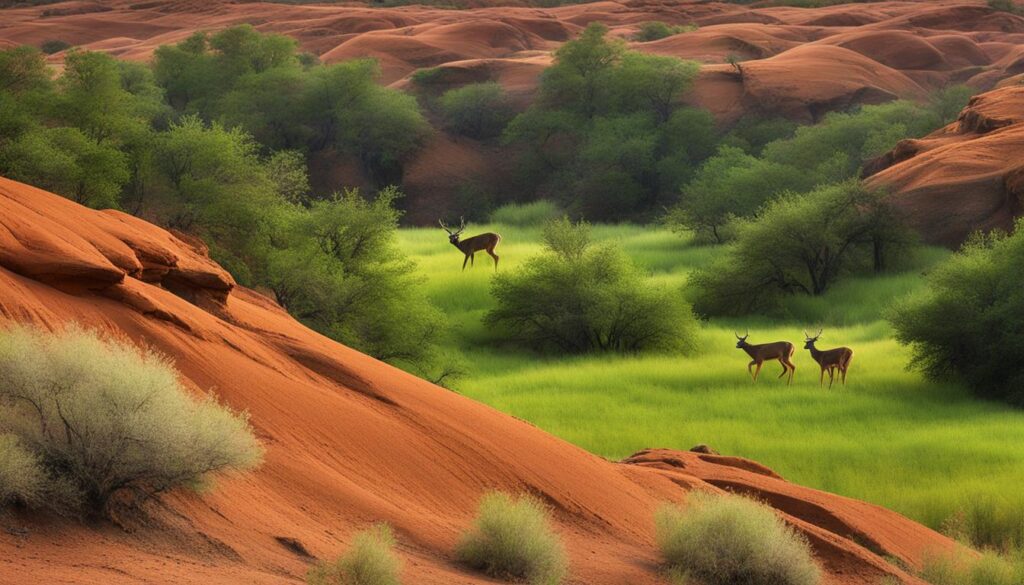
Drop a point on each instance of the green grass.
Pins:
(930, 451)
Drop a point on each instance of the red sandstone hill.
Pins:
(967, 176)
(350, 441)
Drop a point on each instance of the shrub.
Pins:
(22, 478)
(730, 540)
(814, 238)
(533, 214)
(512, 539)
(578, 298)
(370, 561)
(963, 568)
(1005, 6)
(967, 321)
(108, 420)
(477, 110)
(54, 46)
(655, 29)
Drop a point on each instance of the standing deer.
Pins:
(829, 359)
(470, 246)
(779, 350)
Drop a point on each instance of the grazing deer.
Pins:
(829, 359)
(779, 350)
(470, 246)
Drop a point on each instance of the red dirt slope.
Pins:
(350, 441)
(964, 177)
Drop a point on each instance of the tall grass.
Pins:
(929, 451)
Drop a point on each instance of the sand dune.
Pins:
(350, 441)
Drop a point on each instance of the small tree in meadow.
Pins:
(477, 110)
(579, 297)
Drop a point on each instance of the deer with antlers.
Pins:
(829, 359)
(779, 350)
(470, 246)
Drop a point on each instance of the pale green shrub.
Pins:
(512, 539)
(963, 568)
(105, 419)
(22, 478)
(730, 540)
(370, 561)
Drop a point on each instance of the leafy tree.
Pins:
(656, 29)
(577, 298)
(966, 325)
(265, 105)
(800, 244)
(340, 272)
(477, 110)
(66, 161)
(651, 83)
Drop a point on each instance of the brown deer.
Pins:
(470, 246)
(829, 359)
(779, 350)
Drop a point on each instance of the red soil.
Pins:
(350, 441)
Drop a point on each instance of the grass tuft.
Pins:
(964, 568)
(730, 540)
(512, 539)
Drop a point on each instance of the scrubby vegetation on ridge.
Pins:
(370, 561)
(86, 424)
(511, 539)
(730, 540)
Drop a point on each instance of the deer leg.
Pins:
(750, 371)
(758, 370)
(466, 259)
(792, 369)
(821, 379)
(785, 370)
(831, 377)
(472, 259)
(495, 256)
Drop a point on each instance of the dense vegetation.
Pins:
(86, 423)
(967, 323)
(213, 141)
(607, 138)
(730, 540)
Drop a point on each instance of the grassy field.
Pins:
(930, 451)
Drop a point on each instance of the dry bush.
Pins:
(512, 539)
(370, 561)
(730, 540)
(104, 419)
(22, 478)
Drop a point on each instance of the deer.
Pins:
(470, 246)
(829, 359)
(778, 350)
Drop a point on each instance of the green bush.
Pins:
(962, 326)
(800, 244)
(963, 568)
(730, 540)
(477, 110)
(577, 298)
(533, 214)
(370, 561)
(107, 422)
(54, 46)
(656, 29)
(511, 539)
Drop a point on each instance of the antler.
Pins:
(462, 224)
(444, 227)
(819, 333)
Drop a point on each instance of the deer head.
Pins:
(809, 341)
(453, 236)
(742, 340)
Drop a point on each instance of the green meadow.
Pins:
(931, 451)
